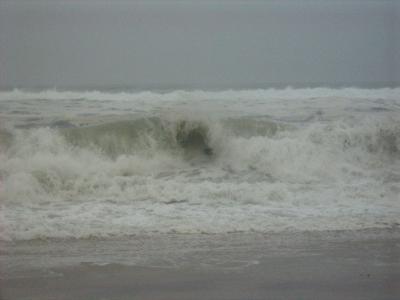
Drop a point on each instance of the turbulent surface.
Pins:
(95, 164)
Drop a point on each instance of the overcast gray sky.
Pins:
(198, 44)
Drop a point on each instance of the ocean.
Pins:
(108, 164)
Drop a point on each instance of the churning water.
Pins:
(102, 164)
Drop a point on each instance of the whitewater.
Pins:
(98, 164)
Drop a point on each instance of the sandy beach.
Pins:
(325, 265)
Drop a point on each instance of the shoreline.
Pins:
(305, 265)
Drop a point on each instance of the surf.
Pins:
(196, 162)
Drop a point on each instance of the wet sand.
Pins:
(327, 265)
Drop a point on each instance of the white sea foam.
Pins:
(330, 171)
(260, 94)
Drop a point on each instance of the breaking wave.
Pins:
(287, 93)
(96, 164)
(196, 175)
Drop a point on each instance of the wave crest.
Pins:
(286, 93)
(154, 175)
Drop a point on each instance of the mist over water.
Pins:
(76, 164)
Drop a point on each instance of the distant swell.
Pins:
(288, 93)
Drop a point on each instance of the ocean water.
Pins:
(91, 164)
